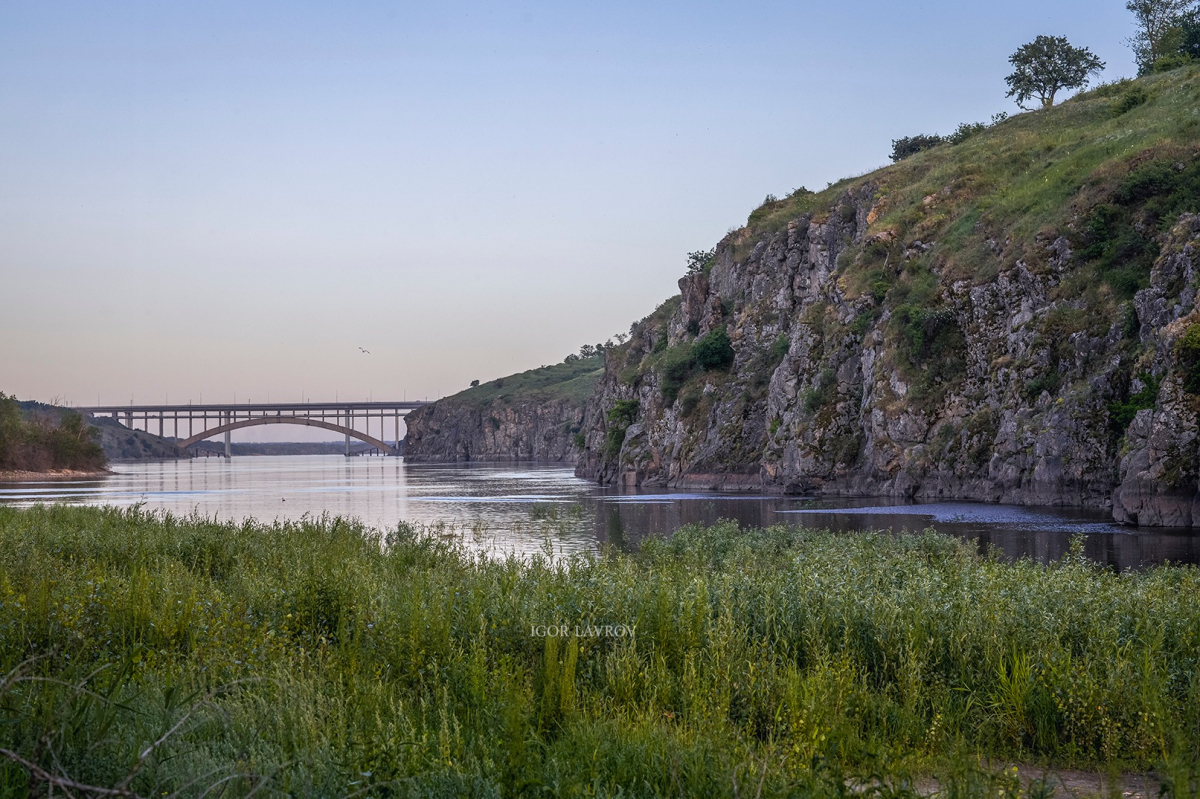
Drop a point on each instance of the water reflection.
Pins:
(538, 508)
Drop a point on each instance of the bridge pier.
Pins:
(228, 437)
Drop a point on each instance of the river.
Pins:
(526, 508)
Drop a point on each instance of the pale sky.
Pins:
(210, 199)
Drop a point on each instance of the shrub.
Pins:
(675, 368)
(1173, 61)
(822, 394)
(620, 416)
(911, 145)
(714, 351)
(779, 350)
(689, 401)
(1049, 381)
(1187, 359)
(965, 131)
(1130, 100)
(928, 333)
(1120, 414)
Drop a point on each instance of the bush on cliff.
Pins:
(714, 351)
(620, 417)
(1187, 358)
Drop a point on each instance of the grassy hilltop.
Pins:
(571, 381)
(1112, 167)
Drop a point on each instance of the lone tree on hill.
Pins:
(1046, 66)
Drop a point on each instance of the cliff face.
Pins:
(535, 415)
(531, 430)
(1159, 469)
(836, 414)
(1010, 320)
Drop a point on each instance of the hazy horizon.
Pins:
(220, 200)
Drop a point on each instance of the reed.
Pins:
(321, 658)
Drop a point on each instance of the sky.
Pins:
(224, 201)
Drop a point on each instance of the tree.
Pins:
(1046, 66)
(1189, 35)
(1158, 23)
(700, 260)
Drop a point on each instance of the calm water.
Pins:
(528, 508)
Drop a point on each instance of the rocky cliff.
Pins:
(1011, 318)
(533, 416)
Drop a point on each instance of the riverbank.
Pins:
(53, 474)
(310, 656)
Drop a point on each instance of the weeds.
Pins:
(333, 660)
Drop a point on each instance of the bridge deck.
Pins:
(258, 407)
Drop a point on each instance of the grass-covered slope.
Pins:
(308, 660)
(571, 381)
(1113, 167)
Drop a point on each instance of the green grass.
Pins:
(1029, 175)
(572, 381)
(318, 659)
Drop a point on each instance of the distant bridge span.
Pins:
(215, 419)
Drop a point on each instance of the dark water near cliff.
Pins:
(521, 508)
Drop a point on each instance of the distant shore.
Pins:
(53, 474)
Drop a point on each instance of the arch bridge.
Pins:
(352, 419)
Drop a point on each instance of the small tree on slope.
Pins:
(1046, 66)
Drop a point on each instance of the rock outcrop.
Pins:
(1160, 467)
(532, 416)
(448, 432)
(1016, 405)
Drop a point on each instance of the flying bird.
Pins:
(365, 352)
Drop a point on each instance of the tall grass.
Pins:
(321, 659)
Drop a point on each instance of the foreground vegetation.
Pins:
(46, 437)
(315, 659)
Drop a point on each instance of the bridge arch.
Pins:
(382, 446)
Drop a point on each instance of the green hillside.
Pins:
(1114, 166)
(572, 380)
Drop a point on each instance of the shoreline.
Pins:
(54, 474)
